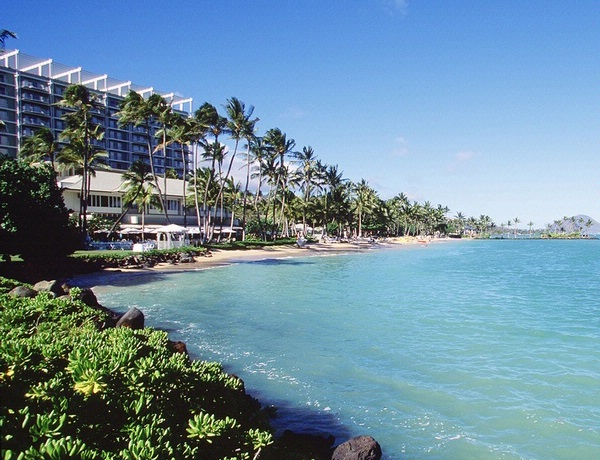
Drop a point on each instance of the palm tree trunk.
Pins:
(244, 203)
(119, 219)
(84, 197)
(155, 177)
(196, 202)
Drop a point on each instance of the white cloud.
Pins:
(396, 6)
(293, 112)
(400, 148)
(460, 159)
(464, 156)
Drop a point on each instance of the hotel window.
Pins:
(118, 145)
(34, 97)
(118, 135)
(173, 205)
(114, 202)
(105, 201)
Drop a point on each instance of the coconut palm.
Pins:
(232, 196)
(333, 179)
(215, 125)
(80, 131)
(281, 148)
(40, 146)
(143, 113)
(147, 197)
(4, 34)
(166, 118)
(185, 132)
(265, 172)
(309, 174)
(134, 184)
(72, 157)
(241, 125)
(363, 202)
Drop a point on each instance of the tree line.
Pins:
(291, 186)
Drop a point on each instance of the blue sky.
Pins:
(488, 107)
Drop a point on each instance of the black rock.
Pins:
(23, 291)
(359, 448)
(133, 319)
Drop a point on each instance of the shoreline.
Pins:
(223, 257)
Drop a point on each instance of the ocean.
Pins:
(458, 350)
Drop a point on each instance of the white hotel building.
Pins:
(30, 87)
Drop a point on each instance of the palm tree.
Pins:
(241, 125)
(530, 225)
(309, 172)
(460, 219)
(4, 34)
(134, 184)
(142, 113)
(281, 147)
(166, 119)
(40, 146)
(232, 195)
(363, 202)
(72, 157)
(140, 190)
(185, 132)
(146, 198)
(213, 125)
(516, 221)
(81, 130)
(333, 180)
(264, 171)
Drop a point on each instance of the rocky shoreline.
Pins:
(316, 446)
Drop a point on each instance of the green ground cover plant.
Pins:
(71, 389)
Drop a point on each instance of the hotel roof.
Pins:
(44, 67)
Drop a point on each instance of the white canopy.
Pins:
(171, 228)
(171, 236)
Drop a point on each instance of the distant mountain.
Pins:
(575, 224)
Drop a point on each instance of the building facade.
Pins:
(30, 87)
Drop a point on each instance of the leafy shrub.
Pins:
(70, 390)
(34, 221)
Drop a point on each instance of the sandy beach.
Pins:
(225, 257)
(220, 258)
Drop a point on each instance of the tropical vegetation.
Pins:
(280, 189)
(34, 222)
(73, 388)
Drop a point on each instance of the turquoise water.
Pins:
(482, 349)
